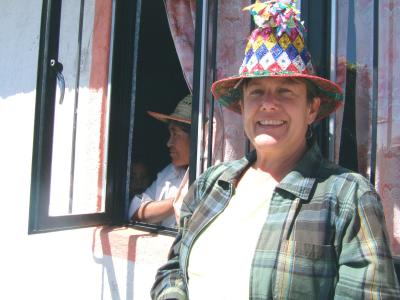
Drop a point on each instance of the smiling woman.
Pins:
(296, 216)
(276, 115)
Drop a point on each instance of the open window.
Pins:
(78, 117)
(160, 85)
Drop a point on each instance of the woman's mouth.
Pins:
(271, 122)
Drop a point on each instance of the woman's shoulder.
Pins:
(217, 170)
(343, 179)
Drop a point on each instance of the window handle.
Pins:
(58, 67)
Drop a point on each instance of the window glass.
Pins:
(78, 166)
(355, 66)
(355, 50)
(388, 127)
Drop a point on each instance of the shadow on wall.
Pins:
(129, 260)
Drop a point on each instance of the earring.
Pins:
(309, 133)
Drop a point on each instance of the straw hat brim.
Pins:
(228, 91)
(166, 118)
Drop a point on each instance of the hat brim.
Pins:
(166, 118)
(228, 91)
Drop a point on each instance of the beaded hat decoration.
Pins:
(276, 48)
(182, 112)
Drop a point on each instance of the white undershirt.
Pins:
(214, 270)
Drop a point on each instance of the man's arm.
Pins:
(154, 211)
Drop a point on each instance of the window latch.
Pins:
(58, 68)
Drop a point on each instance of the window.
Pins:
(76, 173)
(368, 140)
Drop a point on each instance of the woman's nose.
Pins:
(268, 103)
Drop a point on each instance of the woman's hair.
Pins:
(312, 90)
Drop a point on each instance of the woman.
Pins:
(282, 222)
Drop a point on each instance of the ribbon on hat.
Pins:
(280, 14)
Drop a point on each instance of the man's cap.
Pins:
(182, 112)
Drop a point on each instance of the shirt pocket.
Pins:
(305, 270)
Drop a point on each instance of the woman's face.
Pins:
(276, 114)
(179, 146)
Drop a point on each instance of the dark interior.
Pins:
(160, 85)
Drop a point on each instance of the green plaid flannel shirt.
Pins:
(324, 238)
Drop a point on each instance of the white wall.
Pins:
(60, 265)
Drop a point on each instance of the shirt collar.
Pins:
(299, 181)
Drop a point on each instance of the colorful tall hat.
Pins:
(276, 48)
(182, 112)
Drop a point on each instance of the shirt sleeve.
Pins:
(149, 194)
(366, 268)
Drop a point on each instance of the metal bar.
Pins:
(76, 102)
(44, 115)
(374, 113)
(212, 100)
(199, 75)
(202, 87)
(135, 46)
(332, 76)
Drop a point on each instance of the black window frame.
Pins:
(126, 19)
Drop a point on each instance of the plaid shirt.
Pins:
(324, 237)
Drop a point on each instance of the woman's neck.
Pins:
(279, 164)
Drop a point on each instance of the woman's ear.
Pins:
(314, 109)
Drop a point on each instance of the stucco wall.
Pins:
(91, 263)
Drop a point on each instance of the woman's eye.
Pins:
(256, 92)
(285, 92)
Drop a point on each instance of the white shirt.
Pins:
(165, 186)
(221, 257)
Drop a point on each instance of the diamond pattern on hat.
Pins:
(299, 63)
(293, 68)
(243, 69)
(258, 42)
(257, 67)
(292, 52)
(253, 61)
(248, 55)
(293, 34)
(261, 51)
(283, 61)
(284, 41)
(275, 68)
(305, 55)
(267, 60)
(276, 51)
(248, 47)
(270, 41)
(298, 43)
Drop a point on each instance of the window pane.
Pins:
(81, 119)
(354, 73)
(388, 135)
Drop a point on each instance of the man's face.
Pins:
(276, 114)
(179, 146)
